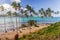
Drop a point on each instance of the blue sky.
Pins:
(37, 4)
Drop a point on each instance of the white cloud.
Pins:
(56, 15)
(16, 1)
(7, 8)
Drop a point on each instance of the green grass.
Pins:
(50, 33)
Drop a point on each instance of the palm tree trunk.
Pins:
(16, 24)
(12, 22)
(5, 25)
(19, 20)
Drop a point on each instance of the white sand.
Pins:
(25, 31)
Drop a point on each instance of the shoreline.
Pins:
(22, 31)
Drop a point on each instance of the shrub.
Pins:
(50, 33)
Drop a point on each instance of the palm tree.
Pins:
(57, 12)
(26, 14)
(10, 15)
(15, 14)
(2, 9)
(47, 13)
(42, 13)
(29, 8)
(14, 5)
(17, 7)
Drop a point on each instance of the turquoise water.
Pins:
(9, 25)
(42, 20)
(24, 20)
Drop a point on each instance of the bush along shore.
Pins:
(52, 32)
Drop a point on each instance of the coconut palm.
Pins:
(42, 13)
(57, 12)
(46, 13)
(31, 10)
(15, 14)
(26, 14)
(10, 15)
(49, 12)
(17, 7)
(2, 9)
(14, 5)
(22, 11)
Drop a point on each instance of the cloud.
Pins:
(16, 1)
(8, 7)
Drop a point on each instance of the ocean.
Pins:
(9, 20)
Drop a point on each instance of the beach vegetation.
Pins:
(52, 32)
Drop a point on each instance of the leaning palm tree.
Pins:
(31, 10)
(2, 9)
(10, 15)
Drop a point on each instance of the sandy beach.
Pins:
(23, 31)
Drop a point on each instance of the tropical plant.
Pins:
(10, 15)
(2, 9)
(31, 22)
(17, 7)
(15, 14)
(31, 10)
(52, 32)
(26, 14)
(14, 5)
(46, 13)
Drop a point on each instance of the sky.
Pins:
(37, 4)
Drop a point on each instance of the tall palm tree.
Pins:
(2, 9)
(49, 12)
(31, 10)
(10, 15)
(15, 14)
(42, 13)
(46, 13)
(17, 7)
(22, 13)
